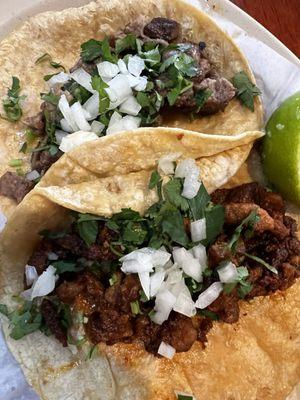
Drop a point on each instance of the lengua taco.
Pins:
(113, 66)
(159, 289)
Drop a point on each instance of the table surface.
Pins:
(281, 17)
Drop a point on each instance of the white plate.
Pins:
(13, 12)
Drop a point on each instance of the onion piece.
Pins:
(97, 127)
(119, 87)
(166, 163)
(164, 303)
(33, 175)
(166, 350)
(76, 139)
(31, 274)
(65, 109)
(79, 117)
(130, 106)
(156, 281)
(45, 283)
(209, 295)
(184, 167)
(227, 272)
(122, 66)
(189, 264)
(59, 135)
(83, 78)
(199, 252)
(132, 80)
(52, 256)
(198, 230)
(3, 221)
(144, 278)
(107, 69)
(116, 117)
(60, 78)
(142, 84)
(174, 275)
(185, 305)
(191, 187)
(65, 126)
(92, 106)
(135, 65)
(126, 123)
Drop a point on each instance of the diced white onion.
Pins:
(166, 163)
(198, 230)
(65, 126)
(97, 127)
(107, 69)
(209, 295)
(92, 106)
(83, 78)
(166, 350)
(156, 281)
(130, 106)
(185, 305)
(31, 274)
(65, 109)
(228, 272)
(45, 283)
(135, 266)
(119, 88)
(122, 66)
(133, 80)
(144, 278)
(60, 78)
(189, 264)
(142, 84)
(135, 65)
(116, 117)
(3, 221)
(52, 256)
(191, 187)
(76, 139)
(174, 275)
(184, 167)
(79, 117)
(59, 135)
(126, 123)
(164, 303)
(26, 294)
(199, 252)
(33, 175)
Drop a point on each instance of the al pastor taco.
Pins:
(113, 66)
(131, 281)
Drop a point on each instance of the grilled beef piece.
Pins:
(14, 186)
(222, 91)
(205, 325)
(226, 307)
(122, 294)
(73, 243)
(219, 251)
(163, 28)
(39, 258)
(186, 101)
(109, 326)
(145, 330)
(44, 160)
(52, 321)
(101, 249)
(36, 122)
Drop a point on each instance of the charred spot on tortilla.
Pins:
(161, 279)
(140, 77)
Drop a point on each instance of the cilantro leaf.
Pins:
(172, 192)
(201, 97)
(173, 226)
(99, 85)
(11, 104)
(135, 232)
(25, 320)
(215, 216)
(198, 203)
(90, 50)
(50, 98)
(106, 52)
(126, 43)
(65, 266)
(4, 309)
(135, 307)
(262, 262)
(246, 90)
(88, 231)
(249, 222)
(53, 64)
(154, 180)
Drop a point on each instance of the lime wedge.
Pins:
(281, 149)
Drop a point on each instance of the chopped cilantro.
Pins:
(201, 97)
(4, 309)
(90, 50)
(50, 98)
(88, 231)
(99, 85)
(172, 192)
(248, 222)
(15, 163)
(126, 43)
(65, 266)
(47, 57)
(262, 262)
(113, 279)
(135, 307)
(209, 314)
(91, 352)
(11, 104)
(173, 225)
(198, 203)
(215, 216)
(246, 90)
(154, 180)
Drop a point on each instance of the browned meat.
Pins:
(101, 250)
(291, 224)
(295, 260)
(227, 307)
(219, 251)
(255, 273)
(52, 321)
(39, 258)
(289, 274)
(186, 100)
(205, 325)
(109, 326)
(73, 243)
(163, 28)
(88, 67)
(14, 186)
(43, 161)
(145, 330)
(222, 92)
(68, 291)
(36, 122)
(121, 295)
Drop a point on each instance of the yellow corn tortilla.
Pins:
(61, 33)
(257, 358)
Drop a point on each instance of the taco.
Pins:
(113, 66)
(159, 289)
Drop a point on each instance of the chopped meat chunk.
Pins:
(121, 295)
(101, 250)
(14, 186)
(109, 326)
(52, 321)
(88, 67)
(205, 325)
(289, 274)
(73, 243)
(222, 91)
(36, 122)
(39, 258)
(186, 100)
(43, 161)
(227, 307)
(145, 330)
(163, 28)
(219, 251)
